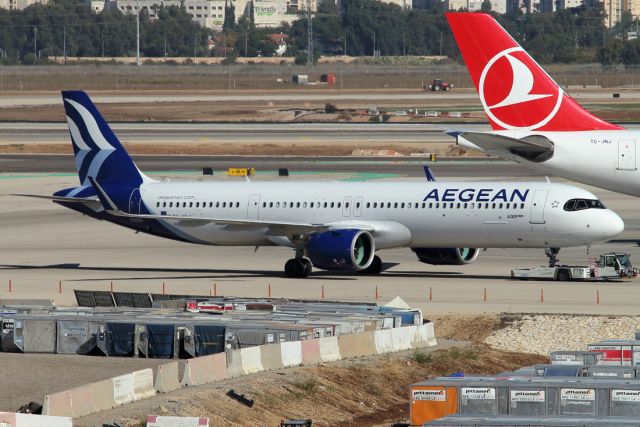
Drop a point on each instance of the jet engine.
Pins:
(347, 249)
(447, 256)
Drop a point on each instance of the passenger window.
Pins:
(270, 204)
(465, 206)
(500, 206)
(210, 204)
(521, 205)
(190, 204)
(402, 205)
(368, 205)
(424, 204)
(472, 205)
(157, 204)
(357, 205)
(304, 204)
(437, 205)
(332, 204)
(325, 204)
(493, 206)
(375, 204)
(237, 204)
(409, 205)
(346, 205)
(507, 206)
(339, 204)
(297, 204)
(430, 205)
(311, 205)
(184, 204)
(197, 204)
(395, 205)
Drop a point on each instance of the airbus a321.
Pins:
(328, 225)
(533, 120)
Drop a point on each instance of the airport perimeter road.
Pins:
(43, 243)
(309, 95)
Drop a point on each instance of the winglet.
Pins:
(429, 174)
(106, 201)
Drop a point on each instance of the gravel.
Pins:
(542, 334)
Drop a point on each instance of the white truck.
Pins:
(609, 266)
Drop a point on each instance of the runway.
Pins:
(44, 243)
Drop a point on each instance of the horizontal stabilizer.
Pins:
(61, 198)
(534, 148)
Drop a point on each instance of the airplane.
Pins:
(533, 120)
(329, 225)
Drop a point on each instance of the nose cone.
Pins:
(612, 226)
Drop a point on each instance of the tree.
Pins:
(486, 6)
(229, 17)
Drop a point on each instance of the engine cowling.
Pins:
(447, 256)
(348, 249)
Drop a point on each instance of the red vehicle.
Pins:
(438, 84)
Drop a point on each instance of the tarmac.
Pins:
(44, 243)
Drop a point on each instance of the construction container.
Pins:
(77, 336)
(575, 358)
(613, 372)
(459, 420)
(35, 334)
(122, 338)
(617, 352)
(162, 340)
(328, 78)
(300, 79)
(560, 371)
(430, 401)
(204, 339)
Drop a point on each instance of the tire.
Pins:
(307, 267)
(293, 268)
(447, 88)
(563, 276)
(375, 267)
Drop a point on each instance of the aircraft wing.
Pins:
(533, 148)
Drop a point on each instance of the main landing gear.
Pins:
(374, 268)
(552, 254)
(298, 267)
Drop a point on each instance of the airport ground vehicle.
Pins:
(609, 266)
(438, 85)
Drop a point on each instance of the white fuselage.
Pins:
(403, 214)
(605, 159)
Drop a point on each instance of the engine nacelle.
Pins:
(446, 256)
(347, 249)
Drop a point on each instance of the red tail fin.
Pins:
(515, 91)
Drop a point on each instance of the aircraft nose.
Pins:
(612, 225)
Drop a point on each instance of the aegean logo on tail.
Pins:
(520, 93)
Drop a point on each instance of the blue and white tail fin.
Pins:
(98, 152)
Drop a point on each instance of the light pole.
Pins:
(64, 43)
(138, 33)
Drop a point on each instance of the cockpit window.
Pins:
(581, 204)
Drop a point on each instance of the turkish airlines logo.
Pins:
(516, 93)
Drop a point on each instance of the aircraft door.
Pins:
(537, 207)
(627, 154)
(134, 201)
(346, 206)
(357, 207)
(253, 207)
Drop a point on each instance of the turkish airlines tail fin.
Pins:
(515, 91)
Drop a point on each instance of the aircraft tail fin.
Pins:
(98, 152)
(514, 89)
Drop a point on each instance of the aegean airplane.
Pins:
(328, 225)
(533, 120)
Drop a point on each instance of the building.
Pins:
(208, 13)
(498, 6)
(20, 4)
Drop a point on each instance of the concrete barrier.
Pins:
(219, 367)
(402, 337)
(357, 345)
(82, 401)
(58, 404)
(167, 377)
(291, 353)
(30, 420)
(234, 363)
(143, 384)
(103, 395)
(271, 356)
(329, 350)
(383, 341)
(251, 360)
(205, 369)
(164, 421)
(311, 352)
(123, 389)
(425, 336)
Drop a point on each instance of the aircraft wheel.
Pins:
(308, 267)
(293, 268)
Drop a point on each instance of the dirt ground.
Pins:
(370, 391)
